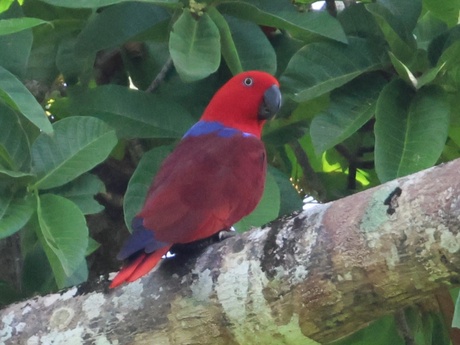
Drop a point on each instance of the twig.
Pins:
(160, 76)
(403, 327)
(311, 180)
(331, 7)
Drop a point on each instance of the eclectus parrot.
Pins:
(213, 178)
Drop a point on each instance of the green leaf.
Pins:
(37, 275)
(357, 21)
(16, 57)
(9, 26)
(254, 49)
(228, 47)
(381, 332)
(141, 180)
(42, 64)
(428, 27)
(5, 4)
(428, 76)
(16, 95)
(77, 145)
(456, 318)
(14, 145)
(351, 106)
(446, 10)
(194, 45)
(71, 64)
(290, 200)
(117, 24)
(267, 210)
(321, 67)
(405, 122)
(79, 276)
(93, 245)
(63, 234)
(134, 114)
(308, 26)
(15, 212)
(404, 14)
(396, 30)
(103, 3)
(15, 174)
(81, 192)
(450, 56)
(403, 71)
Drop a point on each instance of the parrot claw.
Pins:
(197, 246)
(224, 234)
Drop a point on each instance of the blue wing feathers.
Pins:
(207, 127)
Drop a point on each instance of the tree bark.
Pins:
(317, 275)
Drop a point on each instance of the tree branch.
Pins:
(320, 274)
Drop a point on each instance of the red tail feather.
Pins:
(139, 267)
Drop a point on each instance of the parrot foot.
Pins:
(224, 234)
(197, 246)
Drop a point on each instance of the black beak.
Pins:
(271, 103)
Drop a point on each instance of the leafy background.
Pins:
(94, 94)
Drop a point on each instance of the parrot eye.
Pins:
(248, 81)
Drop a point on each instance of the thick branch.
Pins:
(320, 274)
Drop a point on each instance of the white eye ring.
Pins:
(248, 81)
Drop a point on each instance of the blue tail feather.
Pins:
(141, 240)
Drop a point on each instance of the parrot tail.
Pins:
(139, 267)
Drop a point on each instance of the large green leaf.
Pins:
(134, 114)
(446, 10)
(73, 65)
(255, 51)
(357, 21)
(404, 14)
(194, 45)
(117, 24)
(351, 106)
(411, 129)
(9, 26)
(16, 95)
(63, 234)
(141, 180)
(81, 191)
(393, 24)
(321, 67)
(267, 210)
(42, 64)
(102, 3)
(16, 56)
(14, 145)
(78, 144)
(15, 212)
(284, 15)
(228, 46)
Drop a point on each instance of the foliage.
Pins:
(370, 95)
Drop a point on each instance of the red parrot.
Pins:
(213, 178)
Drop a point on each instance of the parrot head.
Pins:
(245, 102)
